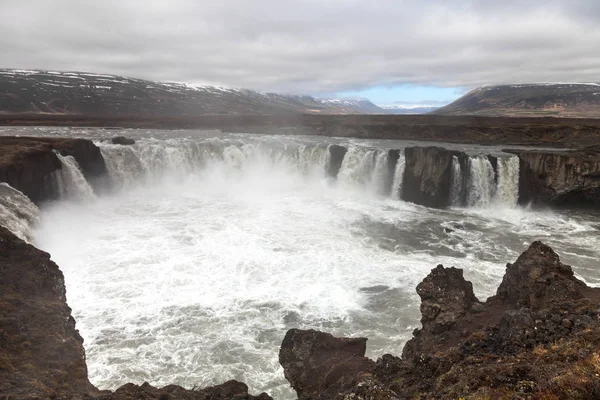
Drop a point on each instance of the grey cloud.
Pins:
(308, 46)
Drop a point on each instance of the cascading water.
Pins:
(456, 190)
(481, 182)
(398, 175)
(507, 192)
(17, 213)
(71, 183)
(151, 160)
(215, 246)
(380, 175)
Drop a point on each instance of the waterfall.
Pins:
(379, 177)
(17, 213)
(70, 182)
(399, 176)
(507, 192)
(481, 182)
(456, 190)
(151, 159)
(366, 168)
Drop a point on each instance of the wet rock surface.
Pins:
(319, 365)
(27, 164)
(41, 351)
(122, 140)
(560, 178)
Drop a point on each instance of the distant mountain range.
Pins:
(400, 109)
(96, 95)
(574, 100)
(88, 95)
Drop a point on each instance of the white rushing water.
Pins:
(71, 183)
(398, 176)
(456, 190)
(481, 182)
(209, 249)
(17, 212)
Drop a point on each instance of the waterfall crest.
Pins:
(70, 182)
(17, 213)
(399, 176)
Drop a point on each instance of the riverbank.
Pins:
(539, 132)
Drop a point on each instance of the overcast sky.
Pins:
(388, 50)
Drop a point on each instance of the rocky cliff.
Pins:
(27, 164)
(537, 338)
(41, 352)
(560, 178)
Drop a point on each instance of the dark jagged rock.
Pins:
(336, 157)
(41, 352)
(538, 280)
(27, 164)
(393, 157)
(559, 178)
(321, 366)
(538, 338)
(428, 176)
(122, 140)
(446, 300)
(232, 390)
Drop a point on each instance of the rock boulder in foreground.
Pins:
(538, 338)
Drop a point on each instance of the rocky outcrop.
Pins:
(318, 365)
(232, 390)
(447, 300)
(41, 352)
(559, 178)
(27, 164)
(537, 338)
(538, 280)
(122, 140)
(428, 176)
(335, 159)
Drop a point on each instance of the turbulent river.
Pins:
(206, 248)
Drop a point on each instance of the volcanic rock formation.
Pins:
(538, 338)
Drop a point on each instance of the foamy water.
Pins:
(208, 250)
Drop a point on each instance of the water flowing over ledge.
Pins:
(223, 243)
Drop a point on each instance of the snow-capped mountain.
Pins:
(403, 109)
(88, 94)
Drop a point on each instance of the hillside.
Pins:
(569, 100)
(94, 95)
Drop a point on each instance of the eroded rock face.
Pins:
(570, 179)
(321, 366)
(538, 280)
(336, 157)
(41, 352)
(446, 300)
(27, 164)
(428, 176)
